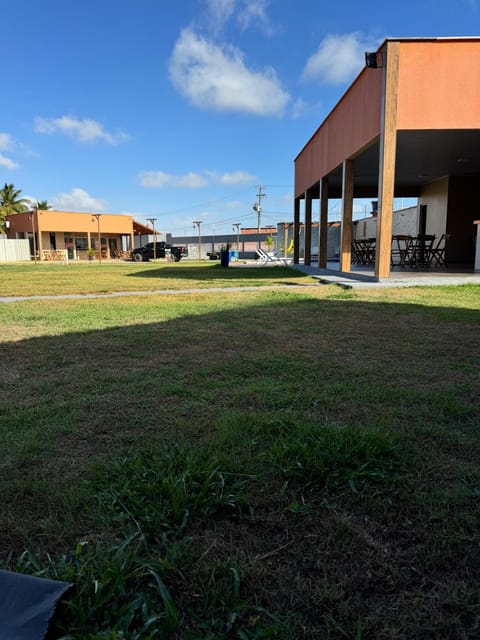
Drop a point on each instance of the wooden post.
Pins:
(307, 254)
(323, 226)
(388, 147)
(296, 231)
(347, 216)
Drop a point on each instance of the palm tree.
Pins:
(43, 205)
(10, 203)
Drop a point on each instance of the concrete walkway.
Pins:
(154, 292)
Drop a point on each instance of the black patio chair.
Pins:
(438, 258)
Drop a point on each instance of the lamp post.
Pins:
(197, 223)
(152, 222)
(97, 216)
(236, 226)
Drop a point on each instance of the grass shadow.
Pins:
(217, 272)
(381, 547)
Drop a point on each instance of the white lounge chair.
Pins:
(265, 257)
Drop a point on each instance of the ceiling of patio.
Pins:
(422, 157)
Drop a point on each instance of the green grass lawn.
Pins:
(91, 277)
(262, 464)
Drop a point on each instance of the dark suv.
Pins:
(158, 250)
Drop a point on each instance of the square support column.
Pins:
(323, 226)
(388, 149)
(347, 216)
(296, 231)
(308, 228)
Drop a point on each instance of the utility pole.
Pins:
(152, 222)
(236, 225)
(197, 223)
(258, 208)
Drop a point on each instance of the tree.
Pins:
(43, 205)
(10, 203)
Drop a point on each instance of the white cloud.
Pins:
(191, 180)
(246, 13)
(7, 144)
(219, 12)
(338, 58)
(237, 177)
(7, 162)
(77, 200)
(82, 130)
(300, 108)
(160, 179)
(254, 13)
(215, 77)
(231, 178)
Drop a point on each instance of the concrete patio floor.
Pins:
(364, 277)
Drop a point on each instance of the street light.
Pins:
(97, 216)
(152, 222)
(197, 223)
(236, 225)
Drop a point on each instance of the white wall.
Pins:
(435, 196)
(14, 250)
(404, 223)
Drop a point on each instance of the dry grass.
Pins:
(82, 278)
(386, 550)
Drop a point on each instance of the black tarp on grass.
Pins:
(27, 605)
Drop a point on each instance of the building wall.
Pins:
(405, 222)
(353, 124)
(439, 86)
(463, 209)
(333, 239)
(435, 197)
(115, 230)
(12, 250)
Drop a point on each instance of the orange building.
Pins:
(58, 234)
(408, 126)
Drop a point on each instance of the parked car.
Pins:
(158, 250)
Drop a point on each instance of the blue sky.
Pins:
(179, 110)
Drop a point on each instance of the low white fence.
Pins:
(14, 250)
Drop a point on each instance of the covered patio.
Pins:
(408, 127)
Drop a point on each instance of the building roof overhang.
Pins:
(141, 229)
(422, 157)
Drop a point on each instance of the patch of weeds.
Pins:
(225, 614)
(448, 518)
(341, 294)
(160, 494)
(244, 434)
(332, 456)
(119, 591)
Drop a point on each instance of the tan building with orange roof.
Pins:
(70, 234)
